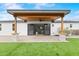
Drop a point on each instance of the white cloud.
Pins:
(72, 18)
(4, 15)
(75, 17)
(77, 12)
(13, 6)
(44, 5)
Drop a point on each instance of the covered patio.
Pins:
(39, 15)
(36, 15)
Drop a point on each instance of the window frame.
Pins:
(70, 25)
(13, 27)
(0, 27)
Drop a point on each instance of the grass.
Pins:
(70, 48)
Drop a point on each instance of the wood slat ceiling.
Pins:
(38, 18)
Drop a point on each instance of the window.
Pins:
(52, 25)
(13, 27)
(70, 25)
(0, 27)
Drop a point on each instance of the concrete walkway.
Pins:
(40, 38)
(73, 36)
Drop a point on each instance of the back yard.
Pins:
(70, 48)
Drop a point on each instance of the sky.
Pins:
(73, 7)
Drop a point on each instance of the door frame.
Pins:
(39, 23)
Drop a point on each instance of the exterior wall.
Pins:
(6, 29)
(55, 28)
(74, 25)
(22, 28)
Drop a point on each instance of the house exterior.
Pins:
(37, 22)
(7, 28)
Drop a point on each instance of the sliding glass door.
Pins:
(38, 29)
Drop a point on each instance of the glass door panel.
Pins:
(40, 29)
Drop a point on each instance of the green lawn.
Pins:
(70, 48)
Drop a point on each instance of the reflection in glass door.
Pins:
(38, 29)
(47, 29)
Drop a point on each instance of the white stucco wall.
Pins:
(22, 28)
(74, 25)
(57, 26)
(6, 29)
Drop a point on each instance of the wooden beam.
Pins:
(36, 18)
(39, 14)
(62, 26)
(15, 22)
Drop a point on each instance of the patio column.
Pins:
(62, 25)
(15, 27)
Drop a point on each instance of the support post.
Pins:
(15, 22)
(15, 37)
(62, 25)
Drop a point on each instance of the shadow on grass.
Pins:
(57, 54)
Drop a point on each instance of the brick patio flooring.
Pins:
(19, 38)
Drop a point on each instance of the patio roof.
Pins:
(39, 14)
